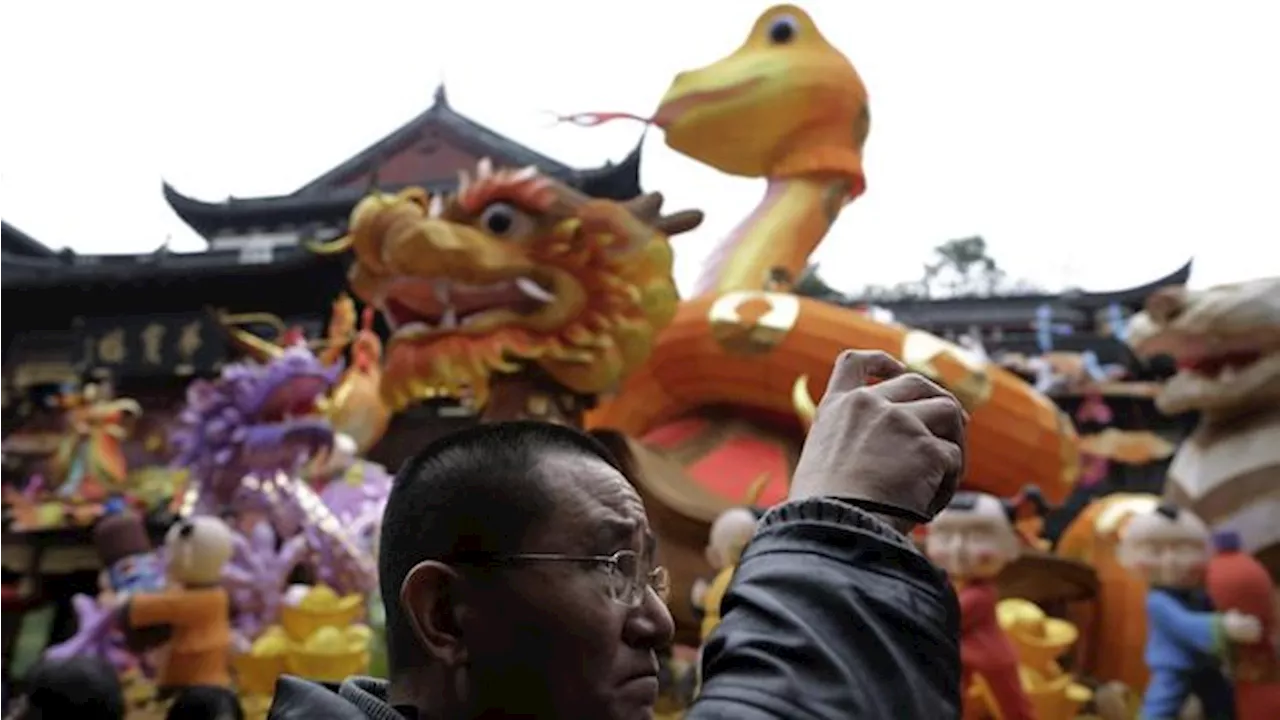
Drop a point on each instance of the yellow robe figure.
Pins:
(90, 462)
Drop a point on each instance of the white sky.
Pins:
(1096, 144)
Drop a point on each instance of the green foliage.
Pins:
(957, 268)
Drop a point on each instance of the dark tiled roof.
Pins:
(16, 242)
(962, 312)
(27, 273)
(1008, 308)
(620, 181)
(323, 200)
(477, 137)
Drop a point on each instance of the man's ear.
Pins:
(429, 597)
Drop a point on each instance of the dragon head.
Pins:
(786, 103)
(253, 418)
(1226, 341)
(287, 387)
(513, 268)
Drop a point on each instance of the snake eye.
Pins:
(783, 30)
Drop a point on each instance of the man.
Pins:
(517, 568)
(77, 687)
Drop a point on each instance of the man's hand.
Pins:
(1241, 628)
(899, 442)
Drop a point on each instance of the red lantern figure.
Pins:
(1236, 581)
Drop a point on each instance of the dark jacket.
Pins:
(831, 615)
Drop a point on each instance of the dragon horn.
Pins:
(254, 346)
(332, 247)
(802, 401)
(679, 223)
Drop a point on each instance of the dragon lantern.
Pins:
(515, 270)
(1226, 341)
(246, 437)
(518, 281)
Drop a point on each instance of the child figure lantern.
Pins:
(195, 607)
(973, 539)
(1187, 641)
(129, 563)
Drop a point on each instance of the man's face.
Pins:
(547, 640)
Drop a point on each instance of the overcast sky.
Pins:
(1098, 144)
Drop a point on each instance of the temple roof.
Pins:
(330, 197)
(503, 151)
(19, 244)
(72, 269)
(1070, 306)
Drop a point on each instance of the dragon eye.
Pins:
(782, 30)
(502, 220)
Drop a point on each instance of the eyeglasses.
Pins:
(626, 576)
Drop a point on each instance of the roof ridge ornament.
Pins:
(442, 96)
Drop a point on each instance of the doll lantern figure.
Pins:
(129, 564)
(973, 539)
(730, 533)
(1235, 580)
(195, 606)
(1187, 641)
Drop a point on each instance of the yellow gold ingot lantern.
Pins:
(319, 638)
(320, 608)
(256, 671)
(331, 654)
(1039, 641)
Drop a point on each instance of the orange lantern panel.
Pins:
(746, 350)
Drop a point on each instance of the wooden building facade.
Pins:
(143, 318)
(147, 323)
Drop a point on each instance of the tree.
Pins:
(961, 268)
(958, 268)
(810, 284)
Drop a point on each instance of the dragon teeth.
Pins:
(413, 329)
(534, 290)
(450, 318)
(526, 173)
